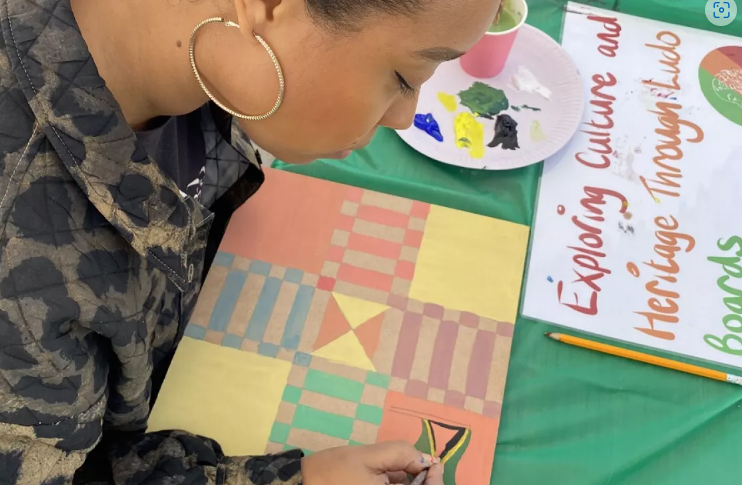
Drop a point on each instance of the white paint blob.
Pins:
(523, 80)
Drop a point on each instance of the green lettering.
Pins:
(731, 266)
(730, 243)
(721, 344)
(733, 317)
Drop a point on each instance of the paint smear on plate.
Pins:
(484, 101)
(523, 80)
(469, 134)
(429, 125)
(448, 101)
(517, 109)
(537, 133)
(506, 133)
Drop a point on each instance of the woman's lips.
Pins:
(339, 155)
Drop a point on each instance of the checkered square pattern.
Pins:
(375, 245)
(259, 307)
(327, 405)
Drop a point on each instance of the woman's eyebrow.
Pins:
(438, 54)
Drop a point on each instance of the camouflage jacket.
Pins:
(100, 263)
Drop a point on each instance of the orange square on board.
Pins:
(413, 420)
(289, 222)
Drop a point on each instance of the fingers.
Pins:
(397, 456)
(435, 475)
(398, 478)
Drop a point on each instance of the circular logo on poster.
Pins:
(720, 75)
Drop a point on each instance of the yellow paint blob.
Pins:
(448, 101)
(469, 134)
(537, 133)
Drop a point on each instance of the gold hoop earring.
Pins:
(281, 83)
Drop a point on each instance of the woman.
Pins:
(123, 156)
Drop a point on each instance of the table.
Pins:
(571, 416)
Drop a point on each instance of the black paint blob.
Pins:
(506, 133)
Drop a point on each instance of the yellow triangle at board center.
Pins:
(346, 350)
(358, 311)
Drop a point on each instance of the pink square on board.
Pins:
(405, 270)
(506, 329)
(454, 399)
(325, 283)
(355, 194)
(397, 301)
(335, 253)
(492, 409)
(420, 210)
(345, 222)
(434, 311)
(469, 320)
(413, 238)
(417, 389)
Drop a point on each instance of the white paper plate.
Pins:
(559, 117)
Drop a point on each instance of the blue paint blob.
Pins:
(549, 279)
(429, 125)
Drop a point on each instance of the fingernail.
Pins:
(426, 459)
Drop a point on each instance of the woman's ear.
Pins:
(254, 14)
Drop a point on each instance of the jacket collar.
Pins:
(85, 125)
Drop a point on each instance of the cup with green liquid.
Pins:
(488, 56)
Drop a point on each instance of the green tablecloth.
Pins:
(571, 416)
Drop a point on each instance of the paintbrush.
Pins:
(420, 478)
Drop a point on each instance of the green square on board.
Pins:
(369, 414)
(291, 394)
(378, 380)
(280, 433)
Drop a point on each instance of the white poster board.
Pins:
(638, 230)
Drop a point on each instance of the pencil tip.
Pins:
(548, 334)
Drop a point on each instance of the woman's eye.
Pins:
(407, 90)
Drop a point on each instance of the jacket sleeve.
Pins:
(53, 400)
(175, 456)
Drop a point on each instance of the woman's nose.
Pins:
(401, 114)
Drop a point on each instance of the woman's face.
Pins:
(340, 86)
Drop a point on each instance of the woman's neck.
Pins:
(141, 50)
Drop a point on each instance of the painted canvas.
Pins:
(637, 232)
(522, 116)
(361, 305)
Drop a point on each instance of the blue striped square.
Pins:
(227, 300)
(293, 276)
(260, 267)
(263, 309)
(223, 259)
(297, 317)
(269, 350)
(232, 341)
(302, 359)
(195, 331)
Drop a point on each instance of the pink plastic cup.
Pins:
(487, 57)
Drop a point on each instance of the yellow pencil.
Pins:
(649, 359)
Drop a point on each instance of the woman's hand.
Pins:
(380, 464)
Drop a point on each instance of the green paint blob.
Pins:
(507, 22)
(321, 422)
(483, 100)
(333, 386)
(291, 394)
(378, 380)
(280, 433)
(369, 414)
